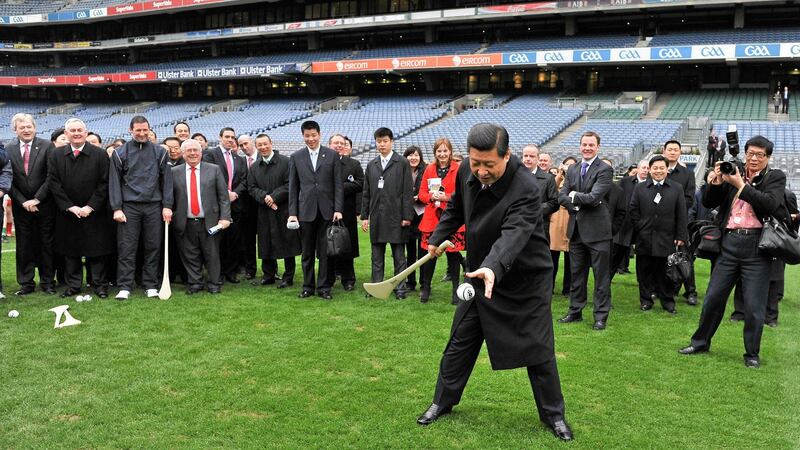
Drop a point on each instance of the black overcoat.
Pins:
(81, 181)
(504, 233)
(625, 235)
(275, 241)
(353, 177)
(658, 225)
(388, 206)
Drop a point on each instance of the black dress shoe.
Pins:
(25, 290)
(424, 295)
(646, 307)
(570, 318)
(691, 350)
(672, 310)
(305, 294)
(249, 276)
(691, 299)
(400, 295)
(193, 290)
(69, 292)
(214, 290)
(263, 282)
(737, 318)
(349, 287)
(231, 279)
(102, 292)
(561, 430)
(433, 413)
(771, 323)
(49, 290)
(599, 325)
(752, 363)
(285, 283)
(325, 295)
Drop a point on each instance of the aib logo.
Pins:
(713, 52)
(553, 57)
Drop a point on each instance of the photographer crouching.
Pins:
(743, 204)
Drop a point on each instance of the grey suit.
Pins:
(194, 243)
(589, 231)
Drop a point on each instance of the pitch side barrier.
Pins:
(447, 15)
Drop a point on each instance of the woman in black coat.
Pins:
(658, 214)
(413, 250)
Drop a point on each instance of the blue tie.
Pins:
(584, 167)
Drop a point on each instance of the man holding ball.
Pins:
(499, 202)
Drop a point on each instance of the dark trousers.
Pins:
(785, 103)
(651, 274)
(582, 256)
(566, 282)
(344, 266)
(144, 221)
(459, 359)
(198, 248)
(35, 233)
(248, 240)
(619, 259)
(230, 247)
(270, 269)
(453, 269)
(378, 259)
(73, 272)
(413, 253)
(739, 258)
(176, 267)
(774, 296)
(315, 246)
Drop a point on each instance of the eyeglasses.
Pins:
(757, 155)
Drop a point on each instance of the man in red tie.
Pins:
(234, 172)
(201, 205)
(32, 205)
(249, 219)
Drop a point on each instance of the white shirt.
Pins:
(269, 158)
(80, 149)
(189, 192)
(314, 154)
(385, 160)
(22, 147)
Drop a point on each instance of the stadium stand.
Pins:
(739, 36)
(618, 137)
(564, 42)
(618, 113)
(721, 104)
(457, 48)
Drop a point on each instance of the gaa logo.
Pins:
(80, 14)
(756, 50)
(518, 58)
(592, 55)
(339, 66)
(715, 52)
(794, 50)
(629, 54)
(553, 57)
(669, 53)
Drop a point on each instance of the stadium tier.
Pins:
(785, 135)
(715, 37)
(432, 49)
(742, 104)
(621, 113)
(563, 42)
(625, 133)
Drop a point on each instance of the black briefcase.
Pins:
(338, 239)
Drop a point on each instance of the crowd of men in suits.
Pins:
(231, 205)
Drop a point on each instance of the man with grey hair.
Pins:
(546, 184)
(32, 205)
(249, 215)
(78, 182)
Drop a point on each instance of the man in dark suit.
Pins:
(268, 184)
(744, 203)
(511, 271)
(316, 198)
(234, 172)
(5, 186)
(620, 252)
(353, 179)
(589, 230)
(78, 182)
(685, 176)
(387, 207)
(658, 214)
(249, 219)
(546, 183)
(33, 207)
(201, 202)
(615, 202)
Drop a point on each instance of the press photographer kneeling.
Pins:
(744, 204)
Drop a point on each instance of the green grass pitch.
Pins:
(257, 367)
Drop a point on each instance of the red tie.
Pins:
(26, 157)
(76, 152)
(229, 163)
(194, 201)
(249, 161)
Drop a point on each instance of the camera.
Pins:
(727, 168)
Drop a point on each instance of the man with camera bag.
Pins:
(744, 203)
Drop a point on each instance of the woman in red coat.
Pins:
(438, 184)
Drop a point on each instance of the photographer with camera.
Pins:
(744, 203)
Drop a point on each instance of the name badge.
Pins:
(657, 198)
(737, 220)
(380, 183)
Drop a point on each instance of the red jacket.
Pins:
(430, 217)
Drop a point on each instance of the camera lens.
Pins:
(727, 168)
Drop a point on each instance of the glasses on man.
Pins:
(757, 155)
